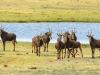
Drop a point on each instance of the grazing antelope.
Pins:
(59, 46)
(37, 42)
(46, 39)
(5, 36)
(71, 44)
(94, 43)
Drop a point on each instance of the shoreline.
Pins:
(52, 41)
(49, 22)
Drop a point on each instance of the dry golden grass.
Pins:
(23, 62)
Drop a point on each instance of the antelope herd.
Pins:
(69, 42)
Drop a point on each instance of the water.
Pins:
(25, 31)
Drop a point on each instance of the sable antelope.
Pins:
(37, 42)
(71, 44)
(71, 36)
(59, 46)
(94, 43)
(5, 36)
(46, 39)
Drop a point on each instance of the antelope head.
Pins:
(90, 36)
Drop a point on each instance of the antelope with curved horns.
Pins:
(46, 39)
(5, 36)
(59, 46)
(71, 44)
(94, 43)
(37, 42)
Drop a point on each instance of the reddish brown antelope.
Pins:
(59, 46)
(5, 36)
(71, 44)
(37, 42)
(94, 43)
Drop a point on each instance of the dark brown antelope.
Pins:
(94, 43)
(46, 39)
(71, 36)
(5, 36)
(59, 46)
(37, 42)
(71, 44)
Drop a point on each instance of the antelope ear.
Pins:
(57, 34)
(45, 33)
(87, 35)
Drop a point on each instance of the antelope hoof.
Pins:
(74, 56)
(82, 55)
(68, 57)
(32, 51)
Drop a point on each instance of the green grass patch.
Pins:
(49, 11)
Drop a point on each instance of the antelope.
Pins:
(5, 36)
(46, 39)
(37, 42)
(59, 46)
(94, 43)
(71, 36)
(71, 44)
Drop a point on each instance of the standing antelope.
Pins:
(59, 46)
(94, 43)
(71, 44)
(37, 42)
(5, 36)
(46, 39)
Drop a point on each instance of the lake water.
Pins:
(25, 31)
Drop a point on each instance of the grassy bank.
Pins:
(23, 62)
(50, 11)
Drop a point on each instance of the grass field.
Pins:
(49, 10)
(23, 62)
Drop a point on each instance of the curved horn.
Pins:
(41, 34)
(1, 26)
(37, 33)
(91, 32)
(88, 32)
(74, 29)
(49, 29)
(61, 31)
